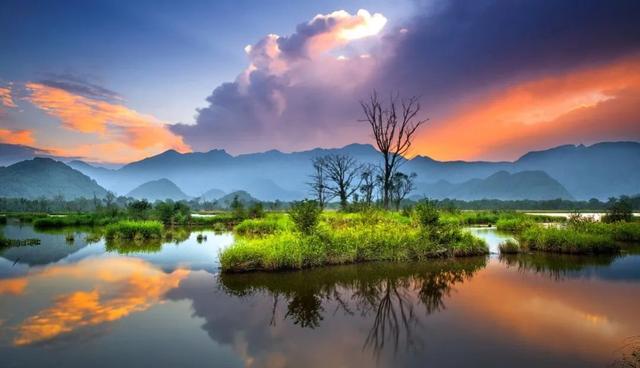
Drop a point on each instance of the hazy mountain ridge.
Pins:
(534, 185)
(161, 189)
(601, 170)
(45, 177)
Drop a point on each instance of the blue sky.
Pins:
(147, 51)
(116, 81)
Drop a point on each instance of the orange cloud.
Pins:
(587, 105)
(5, 97)
(24, 137)
(124, 133)
(122, 286)
(13, 286)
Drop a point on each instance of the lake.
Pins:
(165, 305)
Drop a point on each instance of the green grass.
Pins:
(344, 238)
(27, 216)
(72, 220)
(226, 219)
(509, 246)
(515, 224)
(3, 219)
(271, 224)
(134, 230)
(567, 240)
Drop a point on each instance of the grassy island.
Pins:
(307, 238)
(578, 235)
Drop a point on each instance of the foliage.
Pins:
(344, 238)
(134, 230)
(237, 208)
(619, 210)
(256, 210)
(426, 213)
(305, 215)
(170, 212)
(139, 210)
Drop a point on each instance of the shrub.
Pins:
(515, 224)
(256, 210)
(426, 213)
(509, 246)
(237, 208)
(305, 215)
(619, 210)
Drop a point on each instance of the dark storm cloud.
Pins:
(450, 52)
(459, 45)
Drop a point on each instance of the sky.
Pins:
(116, 81)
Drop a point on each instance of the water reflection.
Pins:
(87, 306)
(110, 289)
(394, 295)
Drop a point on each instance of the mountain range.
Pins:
(570, 171)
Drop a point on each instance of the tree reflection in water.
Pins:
(392, 294)
(556, 266)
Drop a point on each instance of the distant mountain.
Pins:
(601, 170)
(161, 189)
(535, 185)
(212, 195)
(244, 198)
(45, 177)
(598, 171)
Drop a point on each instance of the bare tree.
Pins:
(393, 128)
(318, 184)
(401, 185)
(367, 182)
(342, 171)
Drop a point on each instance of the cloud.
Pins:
(587, 105)
(13, 286)
(122, 286)
(5, 97)
(79, 86)
(292, 91)
(124, 134)
(456, 55)
(23, 137)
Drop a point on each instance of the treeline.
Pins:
(543, 205)
(116, 204)
(112, 203)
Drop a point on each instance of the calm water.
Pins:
(165, 305)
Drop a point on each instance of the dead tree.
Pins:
(342, 172)
(393, 127)
(319, 182)
(367, 183)
(401, 185)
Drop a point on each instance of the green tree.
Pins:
(619, 210)
(305, 215)
(237, 208)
